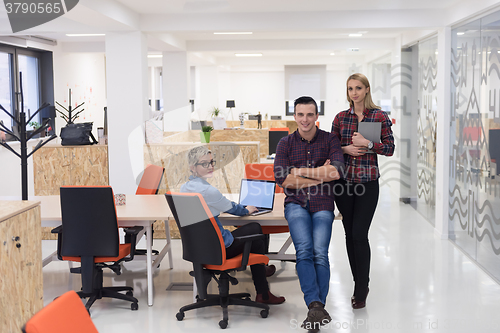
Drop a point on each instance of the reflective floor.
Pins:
(419, 283)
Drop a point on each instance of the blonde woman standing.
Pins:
(357, 190)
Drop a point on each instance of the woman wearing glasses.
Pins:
(201, 166)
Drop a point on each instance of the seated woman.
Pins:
(202, 167)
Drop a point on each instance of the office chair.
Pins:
(202, 244)
(65, 314)
(89, 234)
(149, 185)
(265, 171)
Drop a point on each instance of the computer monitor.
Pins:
(274, 138)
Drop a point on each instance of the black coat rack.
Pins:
(70, 118)
(23, 139)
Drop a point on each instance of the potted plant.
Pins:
(205, 134)
(35, 125)
(217, 119)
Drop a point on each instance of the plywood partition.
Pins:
(21, 287)
(55, 166)
(235, 136)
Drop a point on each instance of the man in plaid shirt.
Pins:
(307, 162)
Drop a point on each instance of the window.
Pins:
(6, 86)
(14, 60)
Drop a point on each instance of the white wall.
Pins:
(85, 75)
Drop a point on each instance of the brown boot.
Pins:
(270, 299)
(316, 316)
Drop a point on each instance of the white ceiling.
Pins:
(298, 30)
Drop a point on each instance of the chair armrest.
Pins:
(58, 230)
(249, 238)
(246, 250)
(131, 237)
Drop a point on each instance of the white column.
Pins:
(207, 91)
(127, 97)
(443, 132)
(175, 91)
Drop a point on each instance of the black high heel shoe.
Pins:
(359, 304)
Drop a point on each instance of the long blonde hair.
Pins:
(368, 98)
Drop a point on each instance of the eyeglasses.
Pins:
(206, 164)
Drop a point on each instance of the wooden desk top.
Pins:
(137, 207)
(15, 207)
(275, 218)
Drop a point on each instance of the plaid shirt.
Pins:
(362, 169)
(294, 152)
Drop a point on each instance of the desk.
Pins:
(140, 210)
(274, 218)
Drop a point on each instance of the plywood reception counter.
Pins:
(21, 287)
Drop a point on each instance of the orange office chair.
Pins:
(89, 234)
(151, 180)
(265, 171)
(202, 244)
(149, 185)
(65, 314)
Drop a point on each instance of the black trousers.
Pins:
(258, 246)
(357, 203)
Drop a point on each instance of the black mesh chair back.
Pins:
(89, 222)
(201, 238)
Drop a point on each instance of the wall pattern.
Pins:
(426, 128)
(474, 202)
(396, 170)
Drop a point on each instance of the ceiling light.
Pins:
(248, 54)
(84, 35)
(332, 53)
(355, 35)
(460, 33)
(233, 33)
(155, 55)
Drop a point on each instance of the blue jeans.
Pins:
(311, 233)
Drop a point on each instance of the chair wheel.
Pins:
(134, 306)
(179, 316)
(223, 324)
(129, 293)
(264, 313)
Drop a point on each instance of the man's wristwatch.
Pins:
(370, 145)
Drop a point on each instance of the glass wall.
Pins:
(426, 128)
(474, 204)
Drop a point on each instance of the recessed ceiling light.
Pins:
(84, 35)
(248, 54)
(233, 33)
(332, 53)
(460, 33)
(155, 55)
(355, 35)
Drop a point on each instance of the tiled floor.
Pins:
(419, 283)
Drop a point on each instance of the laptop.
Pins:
(370, 131)
(258, 193)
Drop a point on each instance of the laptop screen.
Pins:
(258, 193)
